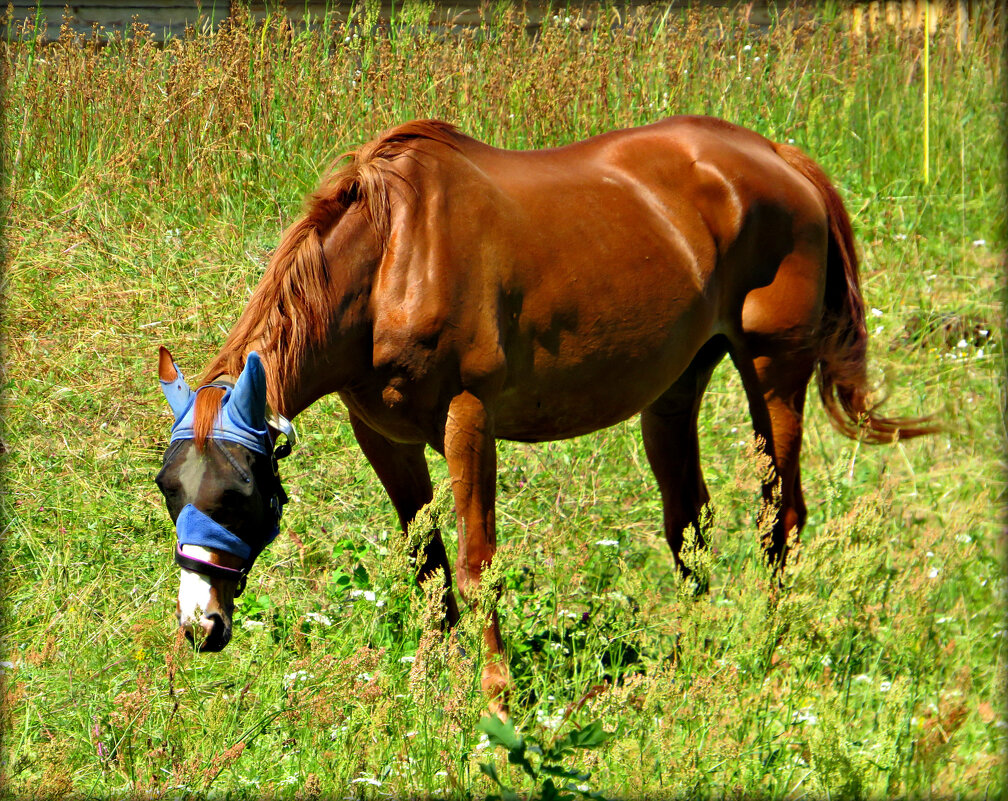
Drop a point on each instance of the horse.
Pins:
(453, 293)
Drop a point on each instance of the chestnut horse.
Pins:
(453, 293)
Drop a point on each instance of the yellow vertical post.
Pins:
(961, 25)
(927, 89)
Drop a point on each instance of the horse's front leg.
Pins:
(402, 470)
(470, 451)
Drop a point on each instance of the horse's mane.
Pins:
(287, 313)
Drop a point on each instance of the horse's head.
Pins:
(224, 495)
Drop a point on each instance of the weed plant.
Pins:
(146, 186)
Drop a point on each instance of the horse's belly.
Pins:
(558, 400)
(553, 419)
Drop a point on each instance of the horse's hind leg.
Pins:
(402, 470)
(671, 442)
(776, 375)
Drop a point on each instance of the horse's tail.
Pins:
(842, 365)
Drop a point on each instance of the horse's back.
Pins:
(576, 284)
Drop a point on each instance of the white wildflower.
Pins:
(297, 677)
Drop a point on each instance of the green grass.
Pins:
(147, 186)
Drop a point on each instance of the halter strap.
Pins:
(210, 570)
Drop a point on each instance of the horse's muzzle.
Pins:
(210, 633)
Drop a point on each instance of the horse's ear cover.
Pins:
(248, 399)
(176, 390)
(243, 409)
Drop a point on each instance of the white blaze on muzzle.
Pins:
(194, 589)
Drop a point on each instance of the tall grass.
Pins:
(146, 186)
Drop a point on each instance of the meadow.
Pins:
(145, 188)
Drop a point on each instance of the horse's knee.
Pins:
(468, 579)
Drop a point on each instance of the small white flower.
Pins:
(747, 48)
(364, 677)
(407, 659)
(552, 722)
(966, 539)
(933, 573)
(941, 620)
(367, 595)
(297, 677)
(790, 141)
(979, 243)
(861, 678)
(757, 59)
(879, 329)
(366, 780)
(884, 686)
(929, 554)
(483, 743)
(608, 543)
(318, 617)
(252, 624)
(900, 236)
(962, 343)
(876, 312)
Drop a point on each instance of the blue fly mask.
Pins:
(242, 421)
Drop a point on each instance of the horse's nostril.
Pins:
(216, 633)
(211, 623)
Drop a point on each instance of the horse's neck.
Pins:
(340, 348)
